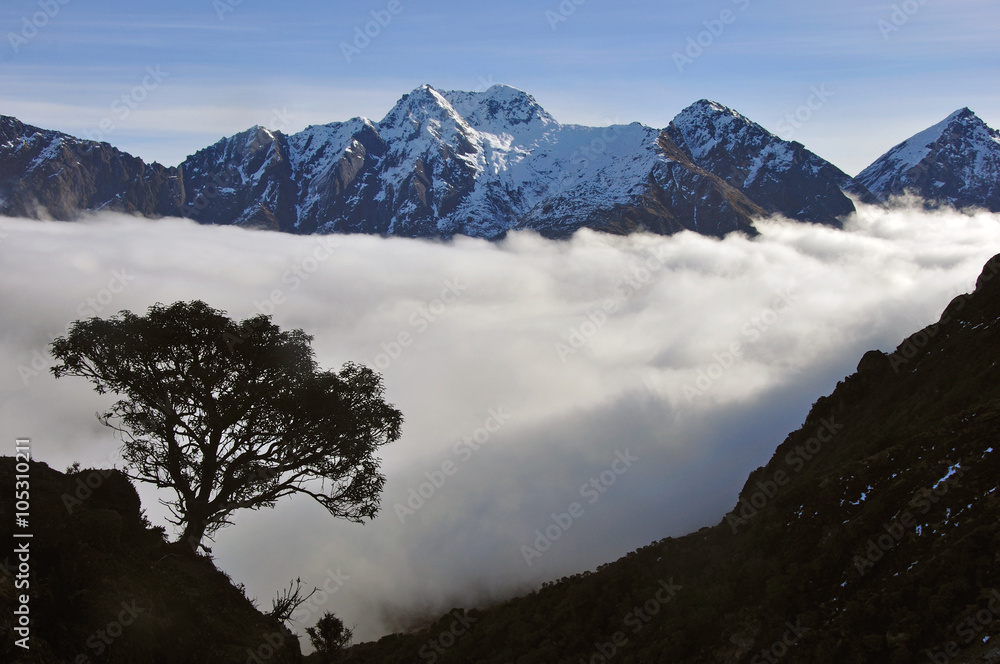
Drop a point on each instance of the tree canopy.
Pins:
(232, 415)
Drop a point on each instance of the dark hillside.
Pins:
(106, 588)
(871, 535)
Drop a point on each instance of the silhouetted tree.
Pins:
(329, 636)
(232, 415)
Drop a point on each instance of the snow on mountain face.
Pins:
(424, 114)
(326, 161)
(482, 163)
(780, 176)
(50, 174)
(501, 110)
(955, 162)
(243, 180)
(513, 166)
(709, 129)
(476, 163)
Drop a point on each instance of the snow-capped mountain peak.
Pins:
(752, 159)
(423, 111)
(501, 109)
(912, 151)
(706, 124)
(482, 163)
(954, 162)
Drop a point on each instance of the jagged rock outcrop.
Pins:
(50, 174)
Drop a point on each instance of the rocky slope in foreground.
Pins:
(106, 588)
(872, 535)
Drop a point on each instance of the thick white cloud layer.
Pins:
(625, 385)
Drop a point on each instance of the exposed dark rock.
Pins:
(105, 587)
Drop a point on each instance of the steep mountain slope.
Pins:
(48, 173)
(780, 176)
(872, 535)
(956, 162)
(244, 180)
(484, 163)
(446, 163)
(105, 587)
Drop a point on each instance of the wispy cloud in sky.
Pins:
(526, 371)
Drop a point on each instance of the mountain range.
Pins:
(484, 163)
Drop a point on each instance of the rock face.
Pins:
(47, 173)
(956, 163)
(472, 163)
(780, 176)
(481, 164)
(105, 587)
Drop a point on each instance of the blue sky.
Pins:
(882, 71)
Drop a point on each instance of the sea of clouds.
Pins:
(565, 402)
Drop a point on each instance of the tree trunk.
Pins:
(194, 531)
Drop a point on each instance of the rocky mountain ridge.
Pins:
(443, 163)
(955, 162)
